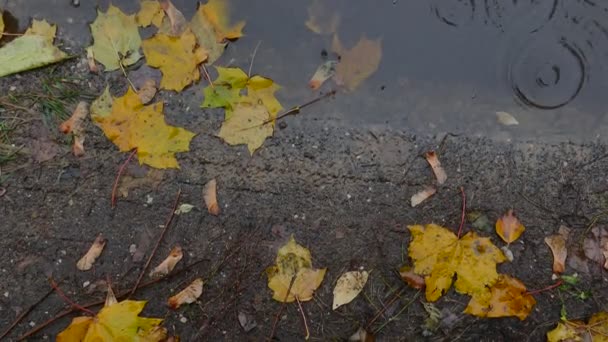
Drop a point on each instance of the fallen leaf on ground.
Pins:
(321, 19)
(348, 287)
(324, 72)
(43, 148)
(438, 255)
(86, 262)
(1, 23)
(247, 321)
(210, 197)
(595, 330)
(169, 263)
(150, 13)
(433, 321)
(91, 60)
(206, 36)
(506, 119)
(412, 279)
(217, 13)
(509, 297)
(358, 63)
(74, 125)
(130, 124)
(147, 91)
(422, 195)
(188, 295)
(116, 39)
(480, 221)
(174, 24)
(184, 209)
(116, 321)
(596, 246)
(246, 126)
(362, 335)
(176, 57)
(151, 179)
(557, 243)
(509, 228)
(32, 50)
(294, 263)
(260, 90)
(433, 160)
(226, 89)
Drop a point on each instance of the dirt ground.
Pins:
(342, 190)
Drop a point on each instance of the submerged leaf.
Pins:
(321, 19)
(508, 297)
(358, 63)
(217, 13)
(348, 287)
(293, 272)
(206, 36)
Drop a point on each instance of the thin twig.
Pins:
(398, 313)
(303, 319)
(278, 316)
(71, 310)
(24, 314)
(67, 299)
(396, 296)
(255, 51)
(160, 238)
(120, 171)
(464, 208)
(548, 288)
(208, 77)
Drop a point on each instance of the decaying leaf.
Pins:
(176, 57)
(86, 262)
(188, 295)
(218, 14)
(348, 287)
(509, 297)
(293, 272)
(506, 119)
(412, 279)
(147, 91)
(438, 255)
(169, 263)
(247, 321)
(358, 63)
(32, 50)
(116, 39)
(131, 125)
(480, 221)
(595, 247)
(75, 125)
(116, 321)
(247, 125)
(174, 24)
(206, 35)
(210, 197)
(184, 208)
(595, 330)
(91, 60)
(150, 13)
(152, 179)
(362, 335)
(509, 228)
(321, 19)
(324, 72)
(433, 160)
(557, 243)
(422, 195)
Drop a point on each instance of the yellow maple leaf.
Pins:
(246, 123)
(358, 63)
(508, 297)
(217, 12)
(205, 34)
(176, 57)
(1, 24)
(595, 330)
(438, 255)
(116, 321)
(261, 90)
(116, 38)
(150, 13)
(293, 263)
(129, 124)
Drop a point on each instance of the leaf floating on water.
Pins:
(348, 287)
(506, 119)
(86, 262)
(509, 228)
(217, 13)
(188, 295)
(324, 72)
(321, 19)
(508, 297)
(116, 38)
(433, 160)
(358, 63)
(206, 36)
(557, 244)
(169, 263)
(422, 195)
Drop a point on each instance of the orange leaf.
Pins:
(557, 243)
(433, 160)
(509, 228)
(411, 278)
(508, 297)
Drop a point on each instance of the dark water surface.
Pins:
(447, 65)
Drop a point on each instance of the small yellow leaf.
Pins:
(86, 262)
(217, 13)
(508, 297)
(358, 63)
(116, 38)
(348, 287)
(150, 13)
(188, 295)
(509, 228)
(294, 264)
(177, 57)
(438, 255)
(246, 125)
(595, 330)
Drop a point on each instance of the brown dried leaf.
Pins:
(86, 262)
(508, 227)
(188, 295)
(151, 179)
(147, 91)
(91, 60)
(422, 195)
(174, 24)
(411, 278)
(433, 160)
(362, 336)
(557, 243)
(210, 197)
(75, 125)
(169, 263)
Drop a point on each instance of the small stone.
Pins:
(86, 283)
(183, 319)
(6, 294)
(32, 324)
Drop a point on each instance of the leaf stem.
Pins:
(303, 319)
(548, 288)
(278, 315)
(120, 171)
(464, 208)
(68, 300)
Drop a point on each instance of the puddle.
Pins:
(447, 65)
